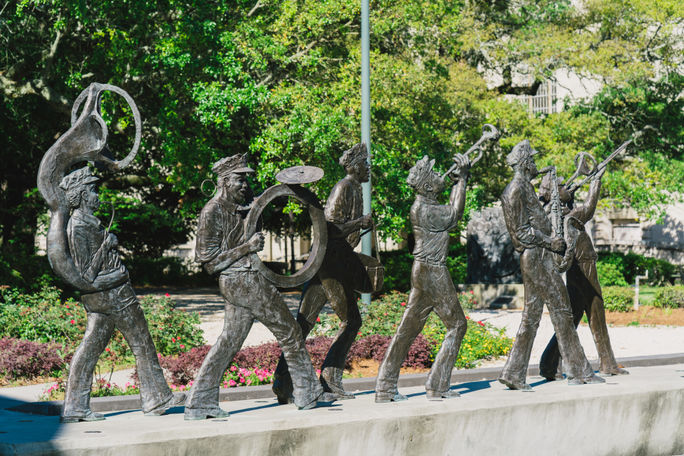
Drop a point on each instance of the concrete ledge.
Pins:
(641, 413)
(119, 403)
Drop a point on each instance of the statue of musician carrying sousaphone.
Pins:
(579, 260)
(342, 276)
(432, 288)
(84, 254)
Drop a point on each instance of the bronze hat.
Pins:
(81, 176)
(233, 164)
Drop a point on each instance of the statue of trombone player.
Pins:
(432, 288)
(579, 260)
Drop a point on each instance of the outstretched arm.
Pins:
(586, 211)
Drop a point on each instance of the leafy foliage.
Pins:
(27, 360)
(280, 80)
(632, 264)
(609, 275)
(671, 297)
(618, 299)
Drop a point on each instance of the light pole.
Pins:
(365, 123)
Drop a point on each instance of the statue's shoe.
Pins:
(439, 395)
(176, 400)
(617, 370)
(88, 416)
(282, 392)
(331, 379)
(591, 379)
(383, 397)
(192, 414)
(324, 400)
(515, 385)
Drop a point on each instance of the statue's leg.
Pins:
(99, 329)
(313, 300)
(555, 296)
(448, 308)
(550, 359)
(154, 392)
(596, 315)
(343, 298)
(415, 315)
(203, 399)
(270, 308)
(515, 370)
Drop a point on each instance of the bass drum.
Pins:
(319, 226)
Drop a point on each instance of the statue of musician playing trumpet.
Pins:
(579, 260)
(431, 285)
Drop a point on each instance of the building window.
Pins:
(544, 101)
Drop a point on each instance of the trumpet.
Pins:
(584, 169)
(488, 132)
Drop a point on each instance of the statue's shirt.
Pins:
(221, 227)
(431, 225)
(525, 218)
(345, 204)
(86, 234)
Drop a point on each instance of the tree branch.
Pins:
(37, 87)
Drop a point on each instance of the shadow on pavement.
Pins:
(23, 433)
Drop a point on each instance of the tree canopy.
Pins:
(281, 81)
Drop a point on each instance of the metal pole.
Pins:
(365, 123)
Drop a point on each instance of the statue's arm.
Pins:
(89, 264)
(585, 212)
(518, 223)
(337, 210)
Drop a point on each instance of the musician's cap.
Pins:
(233, 164)
(420, 172)
(520, 151)
(81, 176)
(354, 155)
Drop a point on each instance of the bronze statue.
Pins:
(431, 285)
(531, 232)
(340, 278)
(222, 249)
(582, 281)
(83, 253)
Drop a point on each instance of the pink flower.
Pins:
(72, 321)
(249, 381)
(233, 368)
(318, 319)
(480, 323)
(231, 382)
(67, 306)
(167, 295)
(403, 304)
(173, 339)
(182, 346)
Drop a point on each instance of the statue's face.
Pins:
(360, 170)
(531, 166)
(236, 187)
(90, 198)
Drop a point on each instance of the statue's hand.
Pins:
(558, 245)
(256, 242)
(111, 241)
(366, 221)
(462, 166)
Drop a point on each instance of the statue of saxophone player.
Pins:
(84, 254)
(222, 249)
(531, 233)
(432, 288)
(341, 277)
(582, 281)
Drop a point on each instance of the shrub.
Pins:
(45, 317)
(383, 315)
(631, 264)
(671, 297)
(397, 266)
(26, 359)
(618, 299)
(609, 275)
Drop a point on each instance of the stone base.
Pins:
(641, 413)
(497, 296)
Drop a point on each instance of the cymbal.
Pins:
(299, 175)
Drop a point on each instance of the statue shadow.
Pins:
(20, 428)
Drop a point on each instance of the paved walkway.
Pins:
(627, 341)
